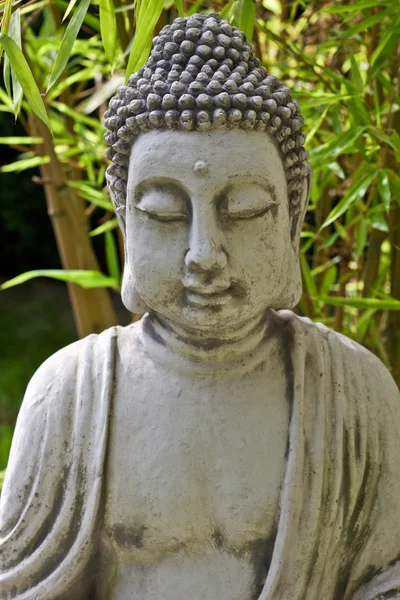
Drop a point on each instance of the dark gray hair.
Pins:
(202, 75)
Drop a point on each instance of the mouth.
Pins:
(208, 296)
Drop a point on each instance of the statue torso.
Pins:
(193, 479)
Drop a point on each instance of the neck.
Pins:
(205, 350)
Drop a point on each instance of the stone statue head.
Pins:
(209, 179)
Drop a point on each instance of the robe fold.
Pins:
(338, 535)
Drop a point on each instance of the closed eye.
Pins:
(163, 203)
(250, 212)
(248, 201)
(163, 216)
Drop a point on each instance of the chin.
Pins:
(215, 319)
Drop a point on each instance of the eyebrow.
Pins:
(158, 181)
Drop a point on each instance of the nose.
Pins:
(206, 252)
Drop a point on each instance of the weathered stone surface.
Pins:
(221, 448)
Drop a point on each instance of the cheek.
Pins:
(258, 250)
(156, 254)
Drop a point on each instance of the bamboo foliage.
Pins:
(342, 61)
(92, 308)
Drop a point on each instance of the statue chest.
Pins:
(194, 464)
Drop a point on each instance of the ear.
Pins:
(120, 211)
(130, 296)
(298, 219)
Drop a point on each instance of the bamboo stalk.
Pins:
(92, 308)
(393, 324)
(371, 270)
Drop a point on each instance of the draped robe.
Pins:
(338, 536)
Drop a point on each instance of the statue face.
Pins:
(208, 230)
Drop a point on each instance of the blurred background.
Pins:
(62, 255)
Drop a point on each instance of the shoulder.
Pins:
(304, 326)
(346, 356)
(57, 375)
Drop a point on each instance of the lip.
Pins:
(208, 296)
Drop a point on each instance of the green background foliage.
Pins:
(63, 61)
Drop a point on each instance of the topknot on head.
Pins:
(201, 75)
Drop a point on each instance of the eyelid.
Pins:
(162, 215)
(159, 201)
(249, 208)
(250, 213)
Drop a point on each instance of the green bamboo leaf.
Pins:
(5, 23)
(394, 184)
(329, 280)
(358, 112)
(90, 20)
(229, 10)
(384, 49)
(148, 15)
(82, 75)
(354, 193)
(318, 100)
(108, 28)
(112, 256)
(354, 8)
(86, 279)
(337, 170)
(126, 7)
(67, 41)
(367, 303)
(103, 94)
(356, 74)
(25, 77)
(362, 234)
(324, 266)
(15, 34)
(287, 44)
(31, 7)
(317, 124)
(334, 147)
(10, 140)
(395, 139)
(378, 221)
(76, 116)
(25, 163)
(179, 6)
(308, 279)
(107, 226)
(382, 136)
(384, 189)
(366, 23)
(69, 8)
(330, 240)
(247, 17)
(4, 29)
(7, 75)
(342, 231)
(89, 193)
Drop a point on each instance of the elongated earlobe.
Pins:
(298, 217)
(293, 289)
(130, 296)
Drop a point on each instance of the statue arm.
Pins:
(49, 503)
(381, 551)
(49, 386)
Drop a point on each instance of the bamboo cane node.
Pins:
(56, 214)
(41, 180)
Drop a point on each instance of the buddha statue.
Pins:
(221, 448)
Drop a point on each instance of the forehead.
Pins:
(220, 154)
